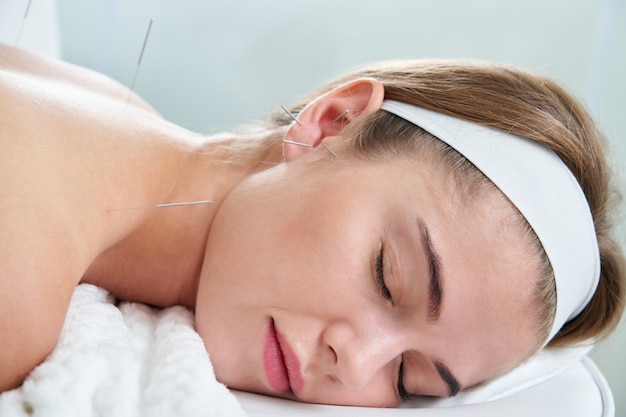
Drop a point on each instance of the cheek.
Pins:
(276, 243)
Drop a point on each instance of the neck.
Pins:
(160, 260)
(218, 166)
(214, 172)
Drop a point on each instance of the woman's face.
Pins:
(324, 278)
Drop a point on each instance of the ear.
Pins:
(325, 116)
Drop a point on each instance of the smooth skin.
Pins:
(298, 244)
(295, 242)
(72, 151)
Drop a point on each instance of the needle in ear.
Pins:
(329, 150)
(291, 142)
(345, 112)
(295, 119)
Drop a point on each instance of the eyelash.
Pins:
(386, 294)
(402, 393)
(380, 277)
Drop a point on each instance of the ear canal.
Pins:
(345, 113)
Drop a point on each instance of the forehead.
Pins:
(489, 272)
(489, 269)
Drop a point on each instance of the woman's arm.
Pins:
(43, 253)
(38, 271)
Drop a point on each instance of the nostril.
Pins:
(333, 354)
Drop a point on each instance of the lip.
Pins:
(281, 364)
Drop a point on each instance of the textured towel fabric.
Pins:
(126, 360)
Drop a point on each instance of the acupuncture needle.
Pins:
(143, 48)
(19, 35)
(167, 205)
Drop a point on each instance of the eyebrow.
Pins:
(435, 297)
(435, 290)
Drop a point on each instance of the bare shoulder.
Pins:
(19, 61)
(72, 150)
(67, 153)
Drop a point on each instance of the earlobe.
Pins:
(329, 113)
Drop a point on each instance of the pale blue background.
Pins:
(211, 65)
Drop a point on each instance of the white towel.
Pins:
(126, 360)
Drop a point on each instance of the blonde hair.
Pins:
(514, 101)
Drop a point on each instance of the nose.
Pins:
(356, 354)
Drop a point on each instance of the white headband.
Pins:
(542, 188)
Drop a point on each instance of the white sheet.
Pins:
(126, 360)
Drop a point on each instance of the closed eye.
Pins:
(380, 277)
(386, 294)
(402, 392)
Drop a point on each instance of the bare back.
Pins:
(71, 150)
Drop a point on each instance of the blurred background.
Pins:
(213, 65)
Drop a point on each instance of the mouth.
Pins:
(282, 368)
